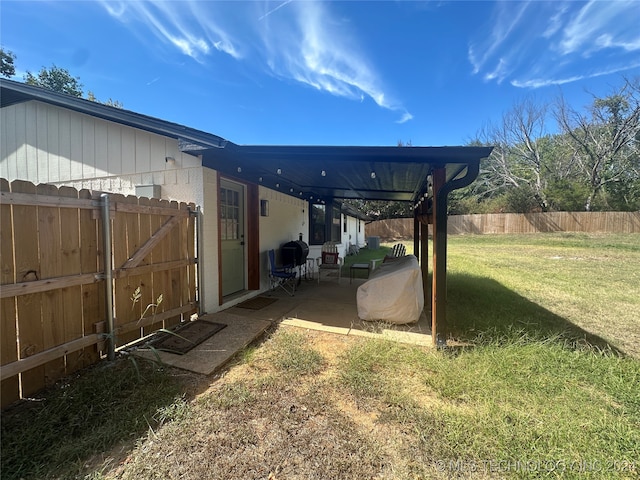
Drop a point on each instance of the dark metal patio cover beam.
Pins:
(323, 172)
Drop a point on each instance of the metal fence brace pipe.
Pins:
(199, 269)
(108, 275)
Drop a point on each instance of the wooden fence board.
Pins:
(71, 265)
(91, 262)
(28, 307)
(50, 247)
(175, 300)
(133, 245)
(146, 279)
(124, 309)
(159, 255)
(9, 388)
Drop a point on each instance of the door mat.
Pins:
(256, 303)
(186, 336)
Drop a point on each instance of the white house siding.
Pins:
(43, 143)
(209, 290)
(353, 236)
(288, 217)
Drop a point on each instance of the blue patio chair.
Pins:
(281, 276)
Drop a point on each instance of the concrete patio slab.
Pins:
(217, 350)
(329, 306)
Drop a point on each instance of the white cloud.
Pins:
(500, 72)
(617, 21)
(313, 48)
(301, 41)
(184, 25)
(406, 116)
(555, 23)
(546, 82)
(557, 43)
(505, 20)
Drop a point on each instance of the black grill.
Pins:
(294, 253)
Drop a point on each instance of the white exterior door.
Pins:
(232, 237)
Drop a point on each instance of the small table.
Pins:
(357, 266)
(310, 268)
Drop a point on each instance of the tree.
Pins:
(382, 209)
(7, 68)
(110, 102)
(605, 143)
(56, 79)
(518, 160)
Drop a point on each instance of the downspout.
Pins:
(440, 266)
(108, 275)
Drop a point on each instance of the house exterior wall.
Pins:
(210, 261)
(288, 217)
(43, 143)
(353, 236)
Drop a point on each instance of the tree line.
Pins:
(591, 164)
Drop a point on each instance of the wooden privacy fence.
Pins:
(52, 288)
(586, 222)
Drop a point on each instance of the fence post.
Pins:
(108, 274)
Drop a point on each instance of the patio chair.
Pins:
(330, 260)
(398, 250)
(281, 276)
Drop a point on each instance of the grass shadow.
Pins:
(480, 309)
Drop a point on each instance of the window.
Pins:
(317, 225)
(230, 214)
(336, 217)
(325, 223)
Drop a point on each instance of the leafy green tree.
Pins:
(7, 69)
(56, 79)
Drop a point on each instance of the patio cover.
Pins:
(347, 172)
(423, 176)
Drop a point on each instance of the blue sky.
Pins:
(330, 73)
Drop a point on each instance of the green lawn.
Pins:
(587, 286)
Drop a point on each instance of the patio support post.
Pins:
(416, 233)
(108, 275)
(424, 263)
(441, 189)
(439, 282)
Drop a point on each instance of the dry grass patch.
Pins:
(274, 415)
